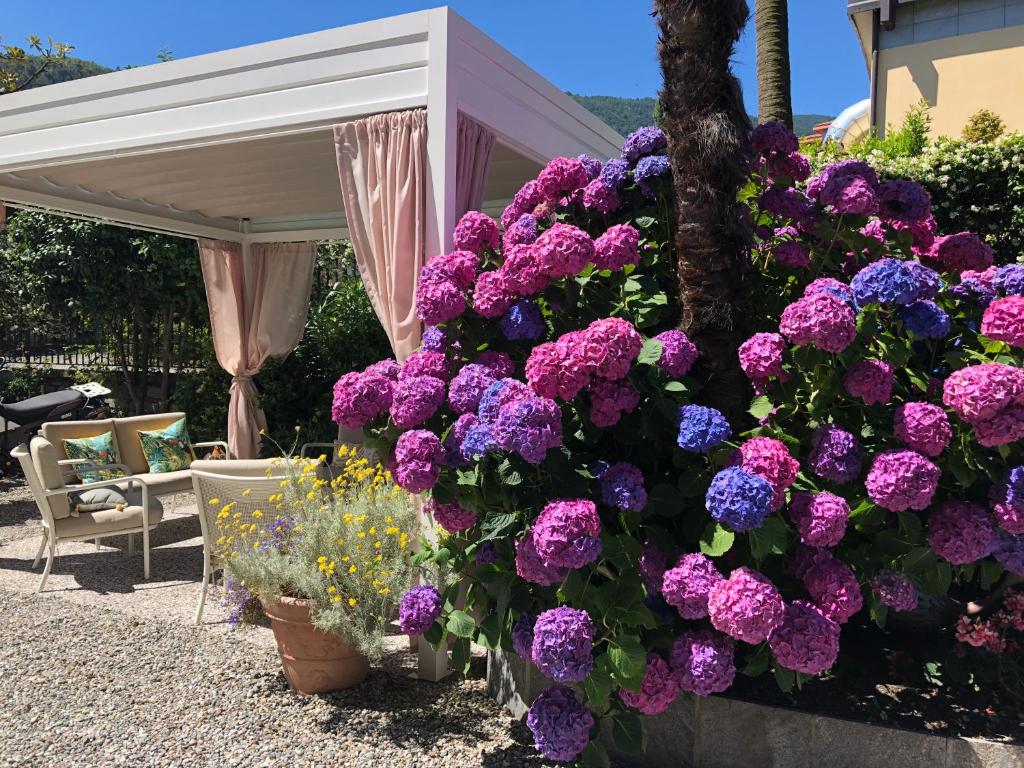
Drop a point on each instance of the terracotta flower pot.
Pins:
(313, 661)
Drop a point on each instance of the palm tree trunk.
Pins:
(774, 101)
(708, 129)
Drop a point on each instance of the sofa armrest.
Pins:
(114, 482)
(214, 444)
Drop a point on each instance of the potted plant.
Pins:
(326, 569)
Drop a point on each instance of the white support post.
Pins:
(442, 136)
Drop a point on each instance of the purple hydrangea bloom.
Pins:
(522, 232)
(739, 499)
(678, 353)
(773, 137)
(522, 634)
(434, 340)
(830, 582)
(419, 608)
(648, 169)
(531, 568)
(807, 640)
(895, 591)
(850, 186)
(1009, 280)
(788, 203)
(415, 400)
(820, 518)
(686, 586)
(1008, 551)
(836, 454)
(522, 321)
(529, 427)
(925, 319)
(486, 553)
(468, 386)
(701, 428)
(902, 480)
(886, 281)
(746, 606)
(614, 173)
(961, 532)
(567, 534)
(622, 486)
(563, 644)
(904, 200)
(559, 723)
(591, 165)
(417, 460)
(499, 362)
(500, 393)
(1015, 487)
(642, 142)
(702, 661)
(832, 287)
(453, 440)
(478, 441)
(359, 397)
(929, 282)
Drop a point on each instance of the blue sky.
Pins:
(602, 47)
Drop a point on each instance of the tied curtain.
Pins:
(382, 167)
(258, 298)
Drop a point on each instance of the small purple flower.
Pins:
(622, 486)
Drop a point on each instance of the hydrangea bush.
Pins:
(627, 539)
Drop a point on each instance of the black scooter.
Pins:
(22, 419)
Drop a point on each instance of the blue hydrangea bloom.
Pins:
(1015, 487)
(1009, 280)
(614, 173)
(492, 399)
(739, 499)
(701, 428)
(974, 290)
(886, 281)
(522, 321)
(925, 319)
(478, 441)
(647, 170)
(642, 142)
(929, 283)
(434, 339)
(622, 486)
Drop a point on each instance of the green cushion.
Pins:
(100, 449)
(167, 449)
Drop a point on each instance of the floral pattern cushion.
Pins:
(99, 449)
(167, 449)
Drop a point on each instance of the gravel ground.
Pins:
(104, 669)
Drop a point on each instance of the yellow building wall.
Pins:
(957, 76)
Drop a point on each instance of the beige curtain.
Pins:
(475, 144)
(258, 303)
(382, 164)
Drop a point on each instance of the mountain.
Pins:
(626, 115)
(58, 71)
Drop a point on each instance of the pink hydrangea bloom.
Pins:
(459, 267)
(359, 398)
(415, 400)
(678, 353)
(820, 319)
(452, 517)
(522, 271)
(961, 532)
(769, 458)
(417, 460)
(606, 348)
(807, 640)
(562, 251)
(492, 296)
(980, 392)
(902, 480)
(870, 380)
(476, 231)
(498, 363)
(525, 200)
(746, 606)
(552, 369)
(388, 368)
(702, 661)
(831, 584)
(1004, 320)
(601, 197)
(561, 176)
(423, 363)
(964, 250)
(761, 357)
(820, 518)
(686, 586)
(567, 534)
(439, 300)
(659, 689)
(617, 247)
(923, 427)
(530, 567)
(610, 399)
(1004, 428)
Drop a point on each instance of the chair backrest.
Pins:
(129, 444)
(245, 498)
(31, 459)
(59, 431)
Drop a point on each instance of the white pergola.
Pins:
(238, 145)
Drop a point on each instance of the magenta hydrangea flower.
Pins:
(702, 661)
(834, 288)
(492, 296)
(560, 724)
(458, 267)
(761, 357)
(746, 606)
(769, 458)
(425, 363)
(964, 250)
(607, 347)
(419, 608)
(792, 255)
(961, 532)
(359, 398)
(658, 690)
(622, 486)
(807, 640)
(563, 644)
(498, 363)
(617, 247)
(388, 368)
(529, 427)
(980, 392)
(417, 460)
(456, 435)
(567, 534)
(819, 319)
(820, 518)
(904, 200)
(553, 370)
(652, 567)
(1004, 320)
(831, 584)
(531, 568)
(895, 591)
(923, 427)
(1004, 428)
(849, 187)
(773, 137)
(561, 176)
(438, 301)
(599, 196)
(902, 480)
(836, 454)
(468, 387)
(687, 585)
(678, 353)
(476, 231)
(522, 271)
(870, 380)
(610, 399)
(562, 251)
(415, 400)
(452, 517)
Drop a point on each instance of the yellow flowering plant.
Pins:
(341, 542)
